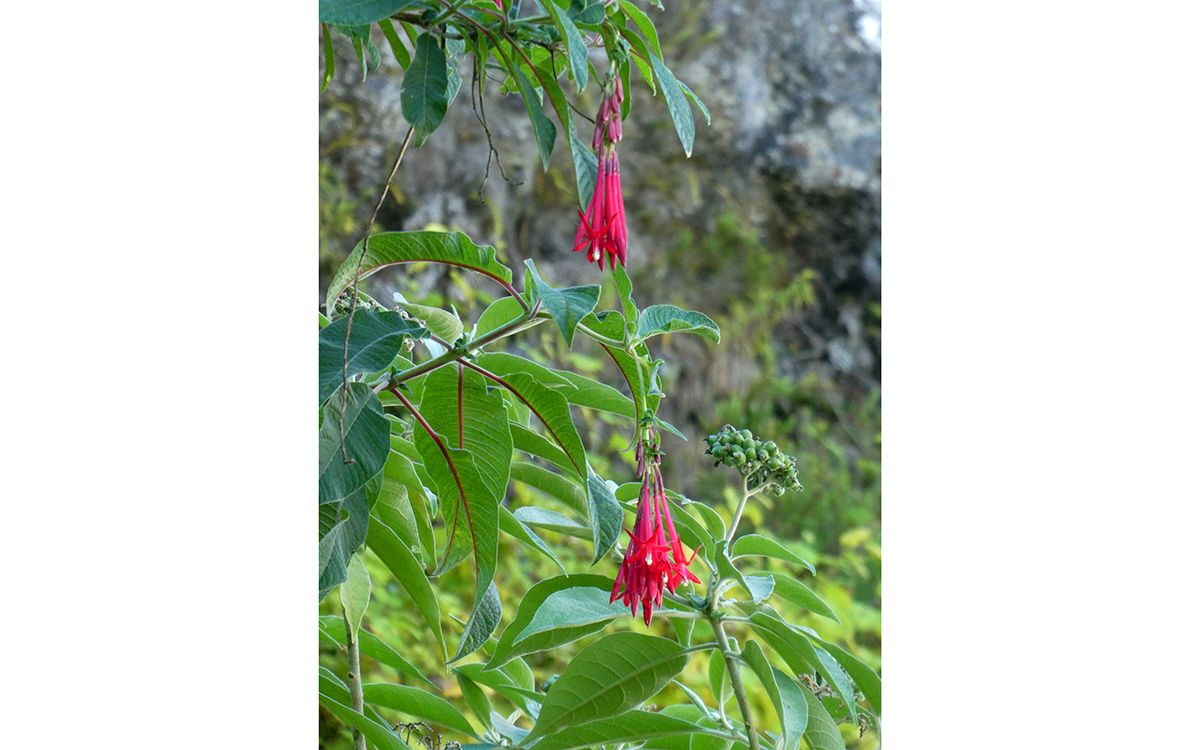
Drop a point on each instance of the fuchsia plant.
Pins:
(429, 426)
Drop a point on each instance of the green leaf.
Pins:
(370, 645)
(631, 726)
(697, 101)
(576, 48)
(525, 439)
(404, 505)
(551, 409)
(353, 12)
(555, 485)
(625, 293)
(485, 616)
(589, 12)
(444, 323)
(507, 648)
(503, 684)
(403, 564)
(716, 678)
(727, 569)
(644, 24)
(801, 655)
(356, 593)
(475, 698)
(785, 694)
(392, 248)
(512, 526)
(418, 703)
(822, 732)
(504, 364)
(544, 518)
(543, 130)
(399, 51)
(380, 736)
(375, 340)
(797, 593)
(677, 104)
(760, 587)
(343, 529)
(752, 545)
(357, 411)
(572, 607)
(864, 677)
(606, 516)
(612, 675)
(330, 58)
(471, 477)
(586, 165)
(712, 520)
(567, 306)
(500, 313)
(598, 396)
(424, 91)
(659, 319)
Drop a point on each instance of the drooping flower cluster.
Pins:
(655, 561)
(602, 228)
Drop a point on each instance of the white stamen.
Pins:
(595, 254)
(649, 559)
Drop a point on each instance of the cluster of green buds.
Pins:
(760, 462)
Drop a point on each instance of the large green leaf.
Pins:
(677, 105)
(503, 684)
(444, 323)
(586, 165)
(424, 94)
(576, 48)
(631, 726)
(405, 507)
(503, 364)
(785, 694)
(380, 736)
(789, 588)
(753, 544)
(822, 732)
(370, 645)
(468, 460)
(475, 698)
(525, 439)
(392, 248)
(356, 414)
(660, 319)
(644, 24)
(501, 312)
(606, 516)
(544, 518)
(612, 675)
(579, 605)
(355, 12)
(567, 306)
(416, 702)
(403, 564)
(508, 648)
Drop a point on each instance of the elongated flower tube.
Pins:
(654, 562)
(602, 231)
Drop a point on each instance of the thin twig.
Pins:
(354, 679)
(387, 186)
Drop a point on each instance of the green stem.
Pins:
(735, 679)
(737, 514)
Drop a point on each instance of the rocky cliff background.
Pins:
(772, 227)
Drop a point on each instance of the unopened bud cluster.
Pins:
(760, 461)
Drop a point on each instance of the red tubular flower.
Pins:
(602, 229)
(655, 561)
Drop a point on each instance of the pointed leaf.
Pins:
(864, 677)
(418, 703)
(569, 608)
(594, 395)
(343, 529)
(485, 616)
(370, 645)
(512, 526)
(403, 564)
(612, 675)
(567, 306)
(576, 47)
(356, 593)
(555, 485)
(677, 105)
(822, 732)
(543, 130)
(391, 248)
(444, 323)
(424, 90)
(660, 319)
(507, 649)
(359, 11)
(631, 726)
(789, 588)
(755, 545)
(380, 736)
(801, 656)
(552, 521)
(785, 694)
(606, 515)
